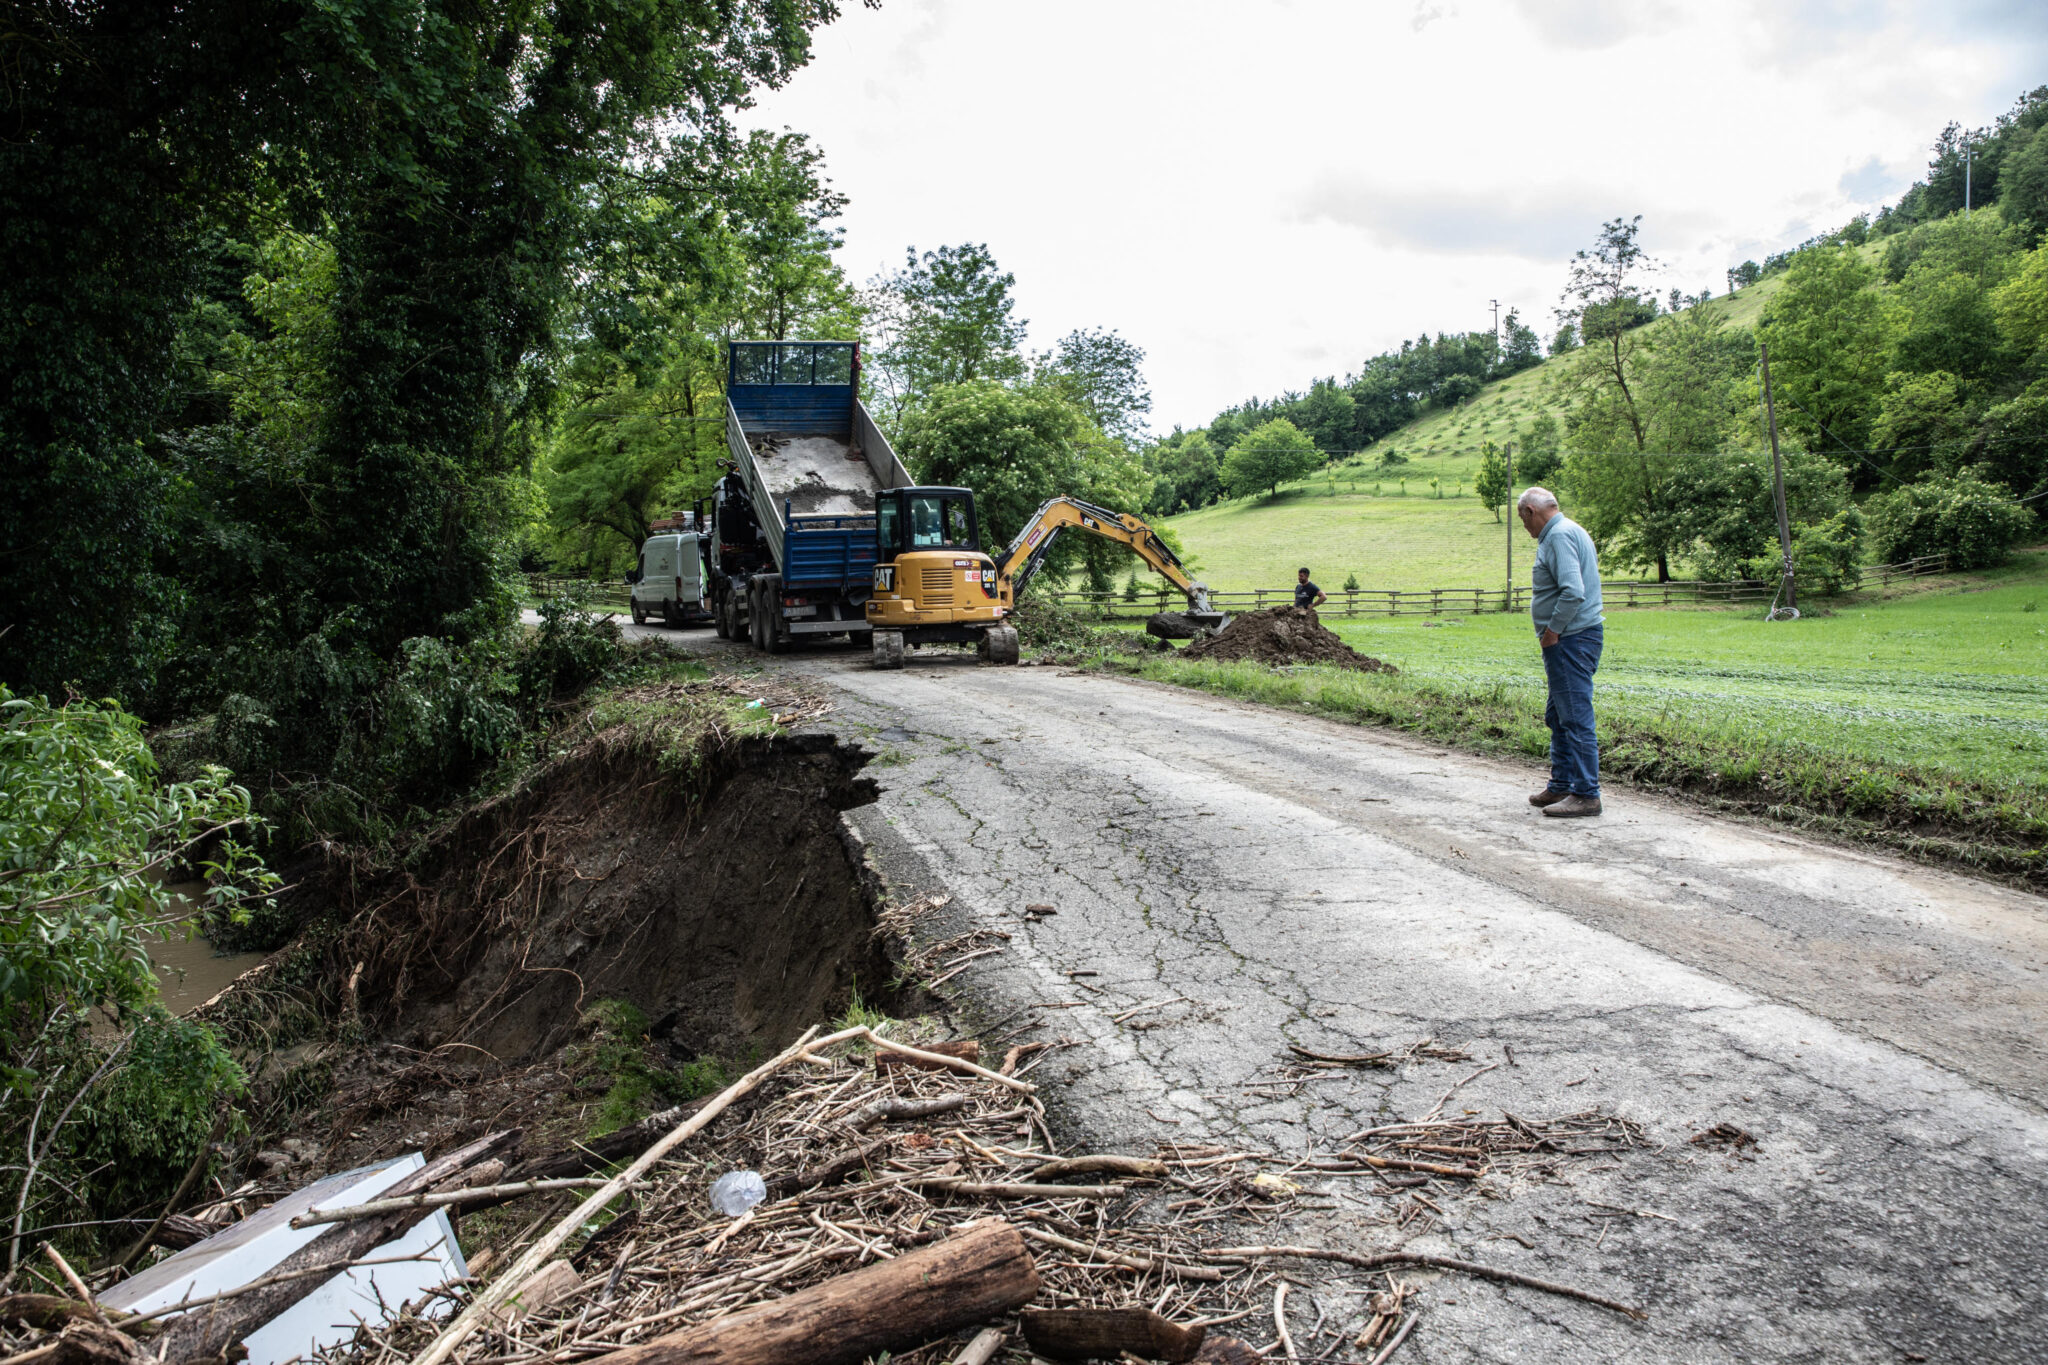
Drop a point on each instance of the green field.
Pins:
(1389, 541)
(1400, 538)
(1919, 720)
(1951, 682)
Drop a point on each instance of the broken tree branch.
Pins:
(1379, 1260)
(933, 1059)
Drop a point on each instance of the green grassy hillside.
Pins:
(1355, 517)
(1389, 541)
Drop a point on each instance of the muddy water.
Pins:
(187, 972)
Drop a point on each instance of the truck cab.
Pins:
(929, 567)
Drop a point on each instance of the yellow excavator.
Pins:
(934, 585)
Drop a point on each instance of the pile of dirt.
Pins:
(1281, 636)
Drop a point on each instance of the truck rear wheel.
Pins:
(999, 645)
(719, 624)
(772, 638)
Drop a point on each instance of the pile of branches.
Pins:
(867, 1159)
(914, 1198)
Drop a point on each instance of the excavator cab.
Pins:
(933, 584)
(916, 519)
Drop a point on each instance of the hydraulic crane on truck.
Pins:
(934, 584)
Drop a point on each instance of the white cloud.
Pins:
(1261, 193)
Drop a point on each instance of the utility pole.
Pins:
(1786, 587)
(1511, 526)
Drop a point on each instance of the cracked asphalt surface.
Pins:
(1279, 879)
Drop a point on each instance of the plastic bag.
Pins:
(733, 1193)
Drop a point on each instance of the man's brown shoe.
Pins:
(1547, 797)
(1574, 805)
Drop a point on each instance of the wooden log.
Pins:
(963, 1049)
(891, 1108)
(210, 1331)
(1107, 1333)
(976, 1275)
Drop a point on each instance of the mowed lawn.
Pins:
(1389, 542)
(1952, 682)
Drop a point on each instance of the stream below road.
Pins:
(188, 971)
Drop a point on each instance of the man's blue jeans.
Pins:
(1574, 749)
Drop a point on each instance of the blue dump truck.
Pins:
(793, 518)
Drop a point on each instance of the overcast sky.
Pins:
(1262, 193)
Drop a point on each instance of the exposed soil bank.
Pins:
(721, 902)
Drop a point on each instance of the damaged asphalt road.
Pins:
(1280, 880)
(1874, 1025)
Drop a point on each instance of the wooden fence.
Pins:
(603, 592)
(1474, 601)
(1109, 606)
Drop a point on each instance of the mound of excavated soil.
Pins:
(1283, 635)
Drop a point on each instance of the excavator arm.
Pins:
(1016, 565)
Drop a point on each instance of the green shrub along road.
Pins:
(1919, 721)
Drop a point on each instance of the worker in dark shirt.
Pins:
(1307, 594)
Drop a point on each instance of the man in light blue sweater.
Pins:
(1566, 609)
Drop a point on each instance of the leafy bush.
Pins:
(86, 834)
(1825, 554)
(148, 1118)
(1974, 522)
(573, 648)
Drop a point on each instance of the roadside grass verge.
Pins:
(1993, 827)
(1919, 724)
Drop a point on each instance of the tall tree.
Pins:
(1829, 332)
(1521, 348)
(450, 155)
(1269, 455)
(1105, 374)
(947, 317)
(1608, 428)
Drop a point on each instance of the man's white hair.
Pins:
(1536, 499)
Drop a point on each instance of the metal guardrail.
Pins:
(1111, 606)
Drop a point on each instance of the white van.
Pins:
(670, 580)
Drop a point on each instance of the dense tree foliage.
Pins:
(1103, 374)
(946, 318)
(1269, 455)
(1016, 446)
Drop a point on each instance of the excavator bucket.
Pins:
(1185, 625)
